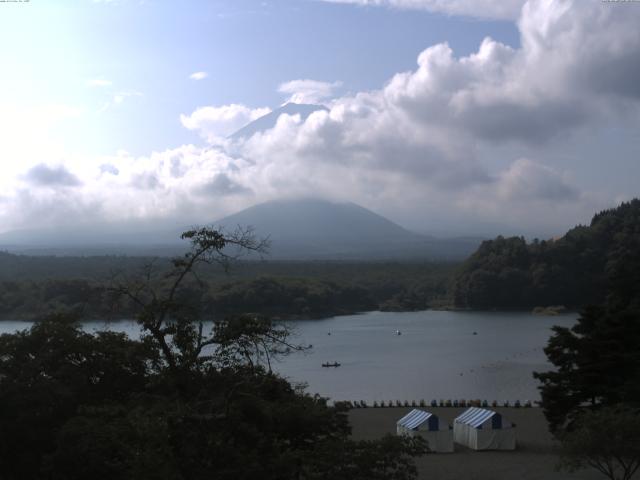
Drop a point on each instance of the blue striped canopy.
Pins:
(415, 418)
(475, 417)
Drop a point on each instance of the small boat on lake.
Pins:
(334, 364)
(398, 332)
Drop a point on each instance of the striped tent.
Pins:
(438, 434)
(482, 429)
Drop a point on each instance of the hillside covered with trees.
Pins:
(574, 270)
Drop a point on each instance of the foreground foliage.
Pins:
(598, 360)
(607, 440)
(598, 364)
(180, 403)
(592, 398)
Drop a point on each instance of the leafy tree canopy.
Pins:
(575, 270)
(598, 360)
(181, 403)
(607, 440)
(597, 363)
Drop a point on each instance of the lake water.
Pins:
(436, 356)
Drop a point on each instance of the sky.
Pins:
(457, 117)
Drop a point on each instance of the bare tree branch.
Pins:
(160, 314)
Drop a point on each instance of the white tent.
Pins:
(438, 435)
(482, 429)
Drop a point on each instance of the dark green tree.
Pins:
(607, 440)
(597, 363)
(48, 373)
(574, 270)
(181, 403)
(598, 360)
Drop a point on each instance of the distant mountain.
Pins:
(105, 239)
(319, 229)
(301, 229)
(269, 120)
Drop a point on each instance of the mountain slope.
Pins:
(302, 229)
(269, 120)
(319, 229)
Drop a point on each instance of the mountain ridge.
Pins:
(299, 229)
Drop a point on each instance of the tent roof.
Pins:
(414, 418)
(475, 417)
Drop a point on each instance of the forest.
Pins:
(31, 287)
(505, 273)
(574, 270)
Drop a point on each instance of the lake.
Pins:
(436, 356)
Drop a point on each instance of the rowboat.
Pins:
(334, 364)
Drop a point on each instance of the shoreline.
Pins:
(536, 311)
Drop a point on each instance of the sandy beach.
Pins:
(534, 458)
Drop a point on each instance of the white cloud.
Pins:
(124, 188)
(420, 137)
(308, 91)
(222, 185)
(495, 9)
(218, 122)
(146, 181)
(99, 82)
(198, 75)
(120, 97)
(46, 176)
(108, 169)
(527, 180)
(413, 149)
(28, 136)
